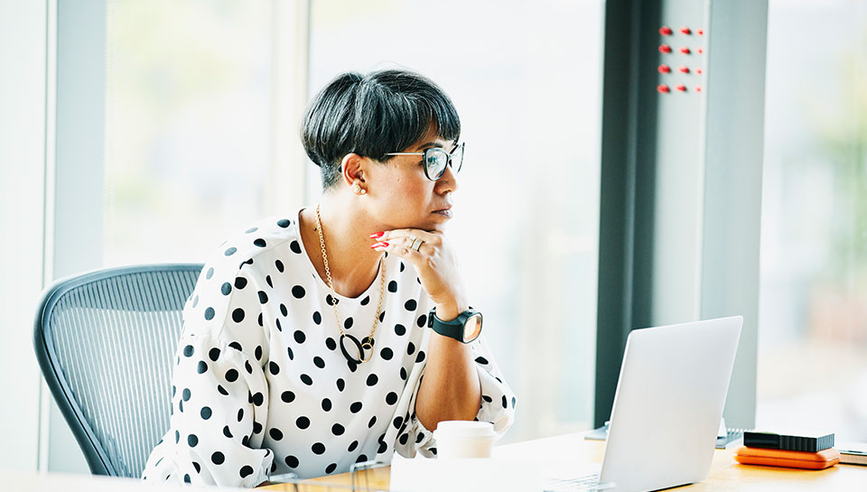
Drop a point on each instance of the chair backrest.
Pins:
(105, 341)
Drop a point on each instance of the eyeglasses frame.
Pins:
(448, 155)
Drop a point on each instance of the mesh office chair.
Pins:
(105, 341)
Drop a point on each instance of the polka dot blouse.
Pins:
(260, 385)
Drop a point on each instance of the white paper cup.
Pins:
(464, 439)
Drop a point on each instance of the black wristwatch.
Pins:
(465, 328)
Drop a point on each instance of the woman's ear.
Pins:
(352, 169)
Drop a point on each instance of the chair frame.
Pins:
(94, 453)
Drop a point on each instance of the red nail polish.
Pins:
(381, 244)
(376, 235)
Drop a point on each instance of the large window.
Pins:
(525, 77)
(812, 369)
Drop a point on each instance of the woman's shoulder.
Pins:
(253, 240)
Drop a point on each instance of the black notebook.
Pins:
(811, 443)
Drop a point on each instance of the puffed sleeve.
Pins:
(497, 404)
(219, 390)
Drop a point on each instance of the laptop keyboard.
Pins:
(583, 483)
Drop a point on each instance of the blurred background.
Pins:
(197, 104)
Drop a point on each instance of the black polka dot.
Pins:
(240, 282)
(188, 351)
(210, 273)
(252, 229)
(330, 468)
(403, 373)
(263, 297)
(187, 478)
(317, 318)
(365, 301)
(371, 422)
(295, 247)
(302, 422)
(400, 330)
(202, 367)
(258, 352)
(352, 447)
(240, 414)
(274, 368)
(192, 440)
(290, 353)
(391, 398)
(372, 380)
(330, 343)
(257, 427)
(238, 315)
(340, 384)
(420, 356)
(214, 354)
(217, 458)
(283, 309)
(298, 292)
(347, 324)
(421, 320)
(319, 362)
(355, 407)
(291, 461)
(482, 360)
(226, 288)
(231, 375)
(337, 430)
(410, 348)
(284, 223)
(186, 394)
(275, 433)
(258, 399)
(277, 323)
(392, 286)
(403, 439)
(514, 401)
(287, 396)
(386, 353)
(230, 251)
(206, 413)
(361, 458)
(383, 447)
(299, 336)
(326, 405)
(318, 448)
(411, 305)
(419, 438)
(246, 471)
(402, 266)
(259, 242)
(306, 380)
(382, 316)
(177, 437)
(487, 398)
(397, 421)
(237, 346)
(331, 300)
(227, 432)
(209, 313)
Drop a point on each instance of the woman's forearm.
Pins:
(450, 388)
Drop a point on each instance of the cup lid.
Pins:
(464, 428)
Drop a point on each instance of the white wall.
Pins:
(23, 61)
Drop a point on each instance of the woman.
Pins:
(335, 336)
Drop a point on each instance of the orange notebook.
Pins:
(790, 459)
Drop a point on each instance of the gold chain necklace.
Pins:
(366, 344)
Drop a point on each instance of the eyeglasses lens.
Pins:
(458, 158)
(435, 161)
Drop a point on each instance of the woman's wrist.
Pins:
(447, 311)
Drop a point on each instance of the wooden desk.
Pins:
(725, 475)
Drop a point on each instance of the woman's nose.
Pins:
(448, 182)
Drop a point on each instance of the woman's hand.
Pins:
(435, 263)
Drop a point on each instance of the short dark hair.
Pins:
(372, 115)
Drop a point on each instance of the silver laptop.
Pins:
(667, 407)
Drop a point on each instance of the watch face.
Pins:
(472, 327)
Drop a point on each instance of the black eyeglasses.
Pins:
(436, 159)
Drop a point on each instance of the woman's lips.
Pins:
(445, 212)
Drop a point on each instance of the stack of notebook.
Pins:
(812, 451)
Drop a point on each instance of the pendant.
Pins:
(355, 349)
